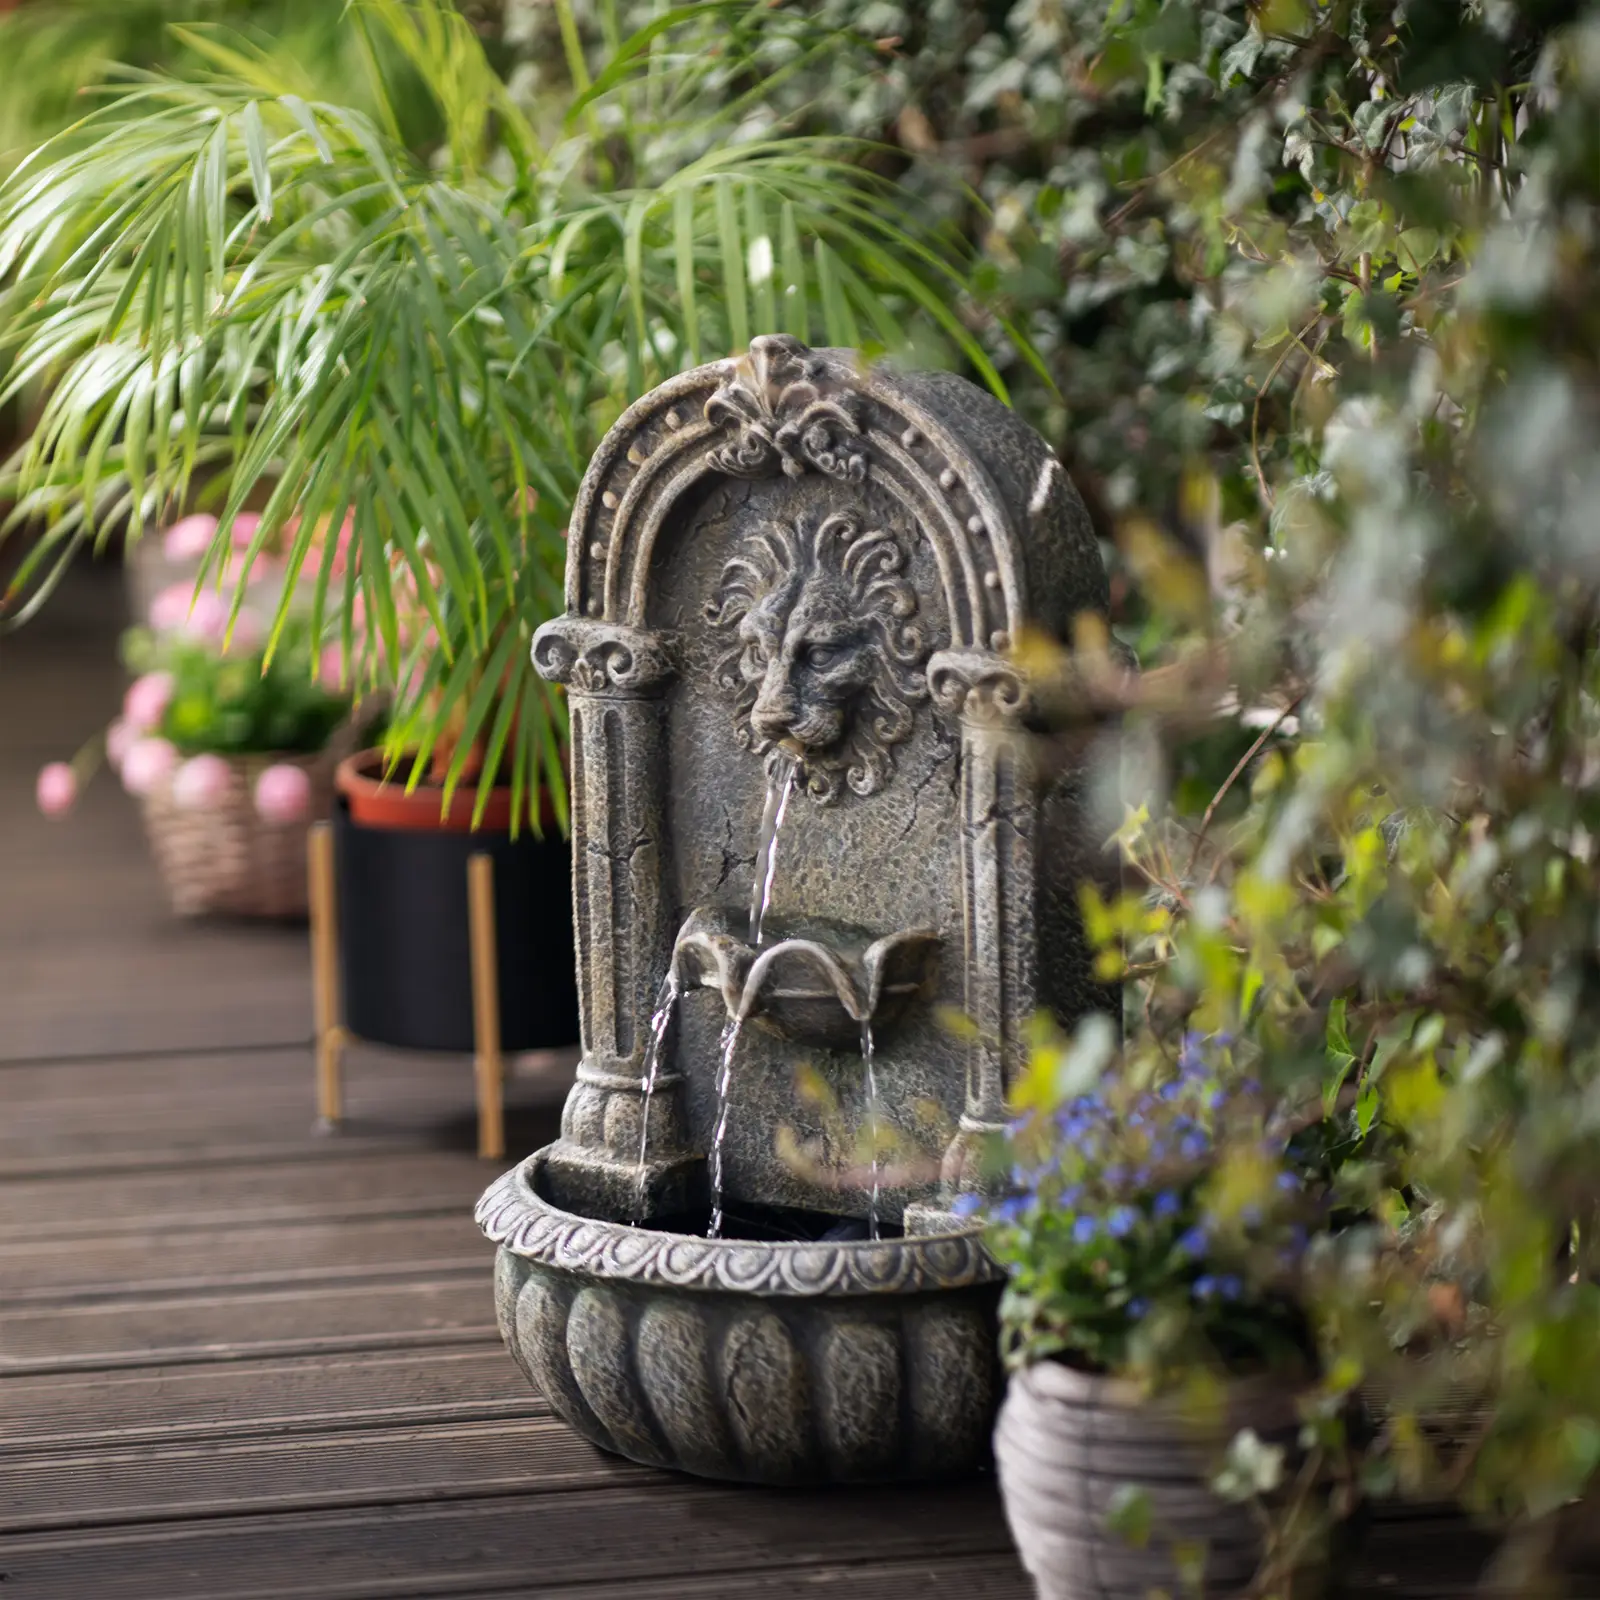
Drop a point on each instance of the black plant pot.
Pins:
(404, 946)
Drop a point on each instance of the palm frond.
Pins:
(230, 288)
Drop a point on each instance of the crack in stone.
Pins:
(731, 857)
(944, 754)
(622, 857)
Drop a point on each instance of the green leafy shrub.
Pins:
(239, 703)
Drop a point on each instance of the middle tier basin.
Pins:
(815, 981)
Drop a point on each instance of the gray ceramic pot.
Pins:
(1067, 1441)
(776, 1363)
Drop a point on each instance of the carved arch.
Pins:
(785, 408)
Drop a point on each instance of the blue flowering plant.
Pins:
(1147, 1227)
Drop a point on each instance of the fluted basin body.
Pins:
(753, 1361)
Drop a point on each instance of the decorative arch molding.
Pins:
(782, 408)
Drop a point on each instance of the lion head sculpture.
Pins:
(826, 659)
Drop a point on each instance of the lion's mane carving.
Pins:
(826, 657)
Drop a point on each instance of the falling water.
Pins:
(872, 1124)
(781, 777)
(730, 1042)
(660, 1021)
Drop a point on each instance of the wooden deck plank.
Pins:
(116, 1485)
(291, 1320)
(203, 1262)
(395, 1552)
(256, 1399)
(259, 1194)
(984, 1577)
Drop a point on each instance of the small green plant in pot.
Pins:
(1154, 1236)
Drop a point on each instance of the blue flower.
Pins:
(1084, 1230)
(1170, 1091)
(1289, 1182)
(965, 1204)
(1230, 1288)
(1137, 1307)
(1205, 1286)
(1193, 1243)
(1168, 1203)
(1217, 1099)
(1011, 1207)
(1071, 1195)
(1116, 1175)
(1122, 1222)
(1192, 1146)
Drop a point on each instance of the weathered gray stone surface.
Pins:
(789, 558)
(765, 1363)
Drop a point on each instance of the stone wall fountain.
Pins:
(807, 817)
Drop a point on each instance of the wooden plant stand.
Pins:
(332, 1035)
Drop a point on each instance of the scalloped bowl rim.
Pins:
(515, 1216)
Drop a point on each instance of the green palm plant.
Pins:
(230, 288)
(57, 52)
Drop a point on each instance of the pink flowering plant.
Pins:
(238, 703)
(201, 696)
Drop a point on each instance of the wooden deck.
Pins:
(241, 1362)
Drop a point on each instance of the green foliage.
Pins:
(235, 703)
(1365, 746)
(217, 277)
(56, 55)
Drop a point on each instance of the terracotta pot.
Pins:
(1067, 1441)
(380, 802)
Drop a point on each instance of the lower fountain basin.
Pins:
(750, 1360)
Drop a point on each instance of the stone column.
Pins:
(614, 677)
(987, 696)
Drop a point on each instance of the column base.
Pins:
(594, 1183)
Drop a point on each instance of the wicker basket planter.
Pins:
(227, 858)
(1067, 1441)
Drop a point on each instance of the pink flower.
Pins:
(148, 764)
(170, 609)
(146, 701)
(56, 789)
(201, 783)
(330, 668)
(119, 740)
(189, 538)
(207, 620)
(283, 794)
(246, 634)
(244, 529)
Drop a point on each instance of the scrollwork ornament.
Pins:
(978, 687)
(602, 657)
(786, 416)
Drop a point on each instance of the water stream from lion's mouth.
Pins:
(781, 777)
(660, 1021)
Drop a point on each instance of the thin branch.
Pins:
(1238, 771)
(1294, 342)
